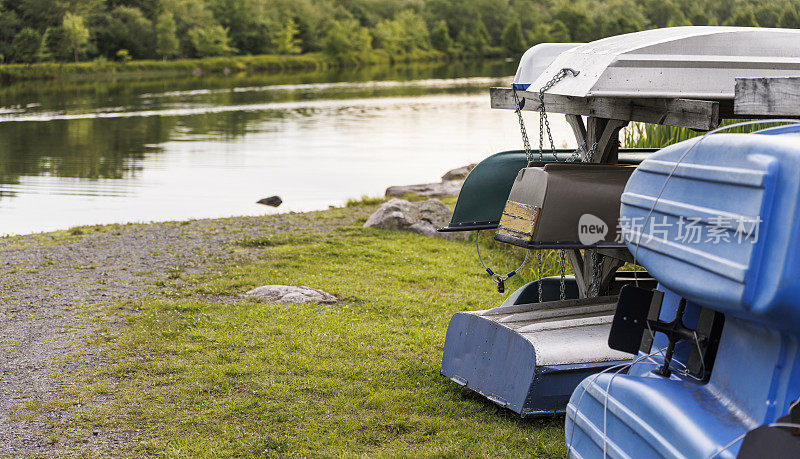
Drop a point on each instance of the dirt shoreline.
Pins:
(48, 280)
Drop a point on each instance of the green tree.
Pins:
(125, 27)
(512, 38)
(166, 39)
(790, 19)
(57, 43)
(76, 33)
(475, 38)
(10, 25)
(621, 17)
(699, 18)
(210, 41)
(124, 56)
(345, 38)
(663, 13)
(440, 37)
(286, 40)
(188, 15)
(744, 18)
(555, 32)
(580, 26)
(27, 45)
(559, 32)
(767, 15)
(405, 33)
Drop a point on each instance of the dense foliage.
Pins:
(61, 30)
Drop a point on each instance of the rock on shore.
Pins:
(291, 294)
(448, 187)
(427, 190)
(459, 173)
(423, 217)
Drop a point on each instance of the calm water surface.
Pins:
(111, 151)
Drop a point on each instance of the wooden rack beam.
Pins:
(767, 97)
(702, 115)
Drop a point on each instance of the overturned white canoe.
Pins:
(676, 62)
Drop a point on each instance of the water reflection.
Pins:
(88, 95)
(82, 152)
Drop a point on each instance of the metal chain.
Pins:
(562, 295)
(525, 141)
(544, 123)
(576, 155)
(597, 269)
(590, 153)
(539, 272)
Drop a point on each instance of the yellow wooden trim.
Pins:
(518, 220)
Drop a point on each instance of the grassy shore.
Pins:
(196, 370)
(233, 64)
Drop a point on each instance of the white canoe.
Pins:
(675, 62)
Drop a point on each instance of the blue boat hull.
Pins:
(744, 188)
(495, 352)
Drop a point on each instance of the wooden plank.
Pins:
(610, 267)
(606, 133)
(609, 142)
(766, 97)
(695, 114)
(576, 260)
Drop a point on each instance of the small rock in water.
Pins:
(458, 173)
(422, 217)
(290, 294)
(273, 201)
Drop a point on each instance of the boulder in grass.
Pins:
(290, 294)
(422, 217)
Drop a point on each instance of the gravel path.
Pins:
(47, 279)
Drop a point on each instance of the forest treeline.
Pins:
(120, 30)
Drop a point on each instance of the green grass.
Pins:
(208, 374)
(365, 201)
(640, 135)
(223, 64)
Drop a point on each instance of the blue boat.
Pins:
(716, 221)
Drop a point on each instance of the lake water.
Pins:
(138, 150)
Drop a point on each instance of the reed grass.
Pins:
(644, 135)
